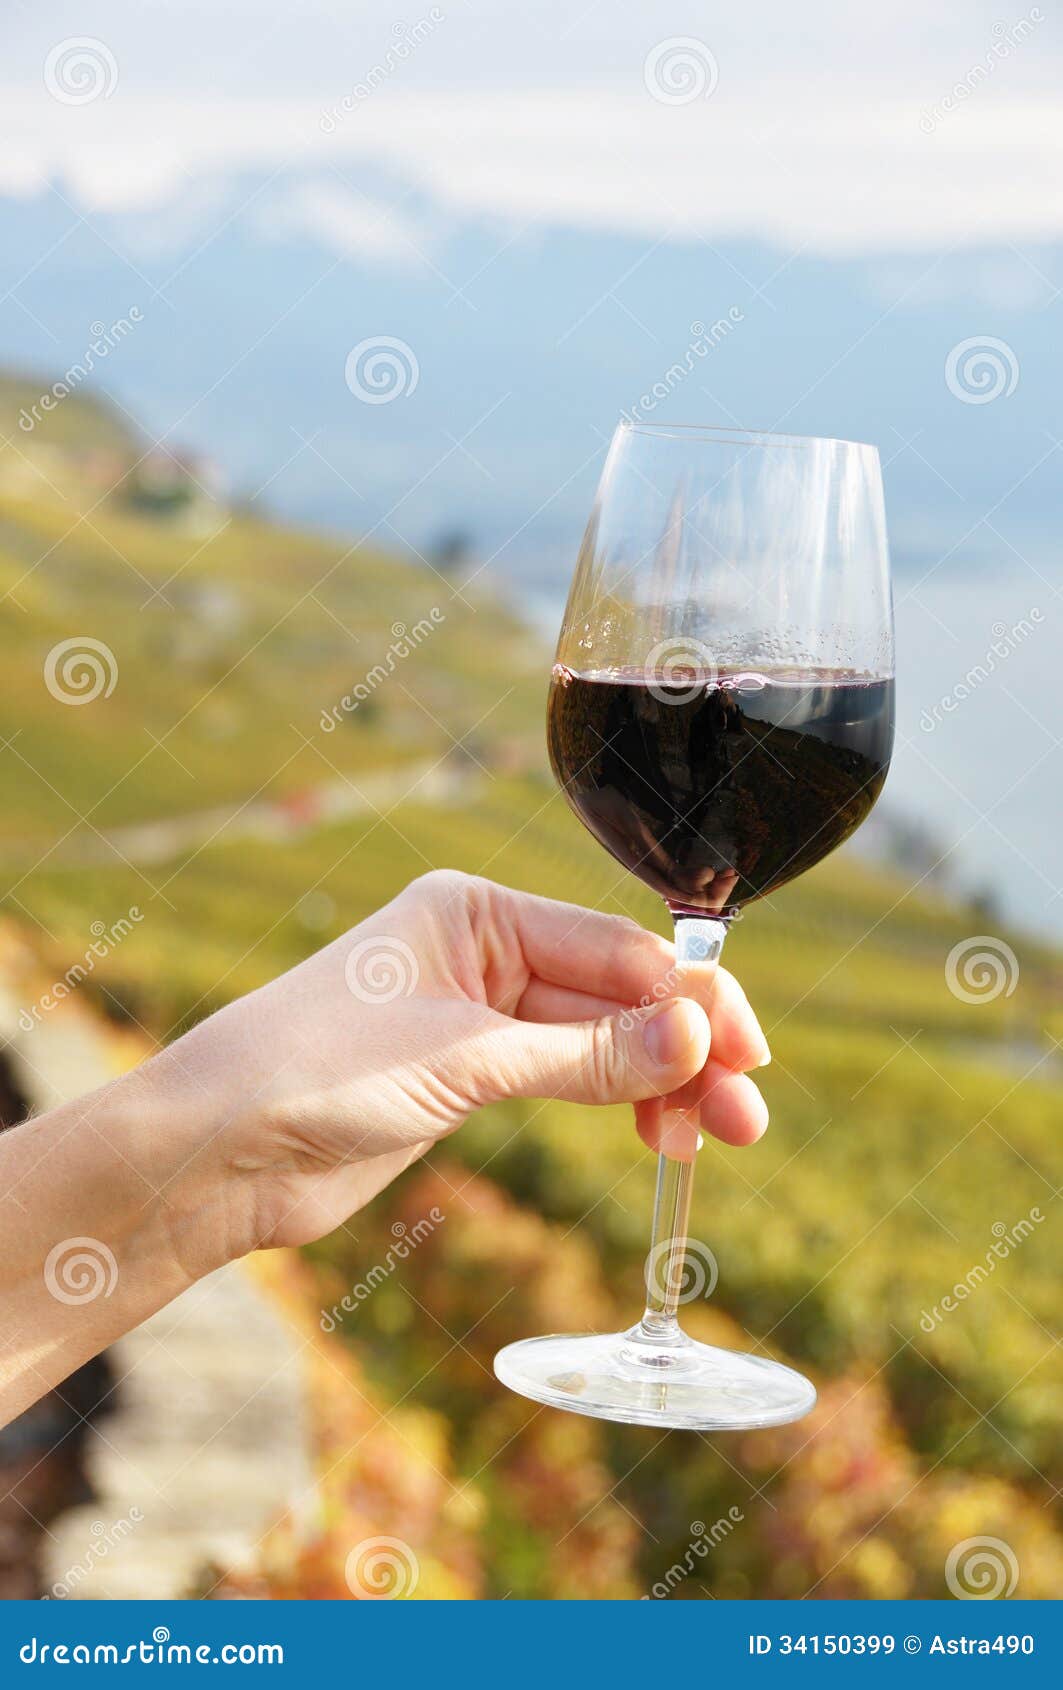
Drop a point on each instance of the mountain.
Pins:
(522, 345)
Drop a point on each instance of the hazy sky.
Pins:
(825, 124)
(925, 143)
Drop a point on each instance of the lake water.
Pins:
(978, 765)
(980, 732)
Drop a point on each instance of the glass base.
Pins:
(646, 1379)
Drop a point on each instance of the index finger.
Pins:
(738, 1040)
(607, 956)
(612, 958)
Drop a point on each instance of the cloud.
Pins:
(832, 171)
(350, 224)
(1001, 281)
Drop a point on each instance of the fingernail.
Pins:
(666, 1035)
(765, 1057)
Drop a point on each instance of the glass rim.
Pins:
(717, 434)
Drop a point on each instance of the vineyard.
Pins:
(914, 1144)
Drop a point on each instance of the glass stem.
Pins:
(697, 939)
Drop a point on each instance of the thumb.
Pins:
(620, 1059)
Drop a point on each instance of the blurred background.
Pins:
(313, 330)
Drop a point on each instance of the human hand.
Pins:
(277, 1118)
(337, 1075)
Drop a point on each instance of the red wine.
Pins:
(715, 790)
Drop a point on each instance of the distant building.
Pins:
(181, 487)
(451, 552)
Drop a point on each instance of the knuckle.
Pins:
(606, 1058)
(442, 883)
(626, 924)
(624, 931)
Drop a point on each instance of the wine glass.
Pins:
(720, 718)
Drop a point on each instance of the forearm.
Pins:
(280, 1116)
(112, 1206)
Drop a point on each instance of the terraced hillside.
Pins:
(207, 786)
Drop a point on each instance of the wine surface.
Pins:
(714, 790)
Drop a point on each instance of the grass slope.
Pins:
(909, 1127)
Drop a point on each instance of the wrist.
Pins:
(140, 1165)
(109, 1214)
(172, 1124)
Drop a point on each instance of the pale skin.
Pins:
(276, 1119)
